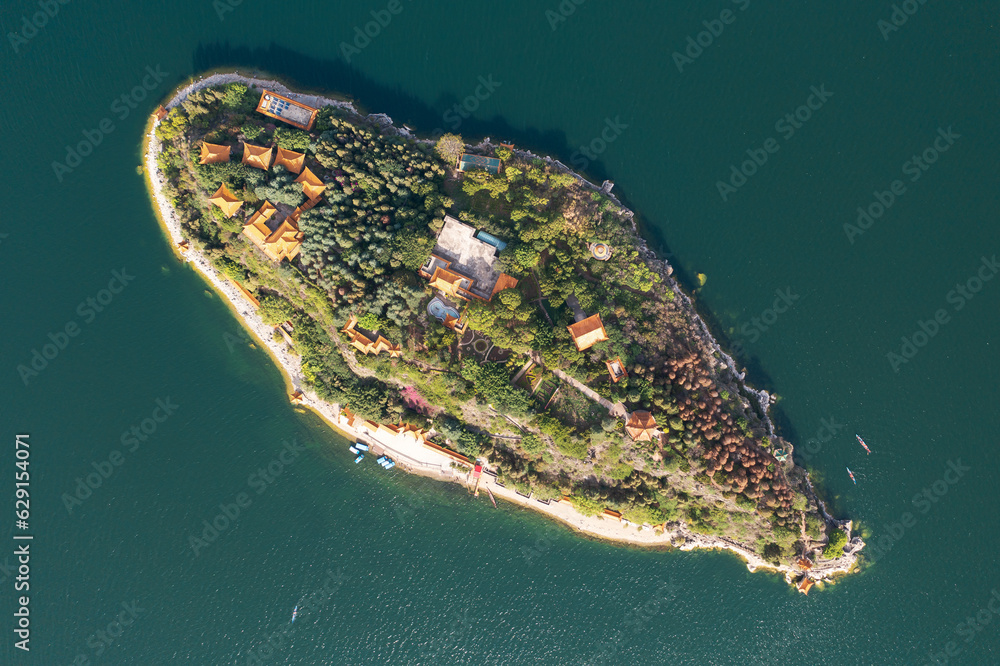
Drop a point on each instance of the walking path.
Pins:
(617, 410)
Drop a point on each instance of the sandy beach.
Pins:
(418, 459)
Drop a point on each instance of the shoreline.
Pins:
(427, 462)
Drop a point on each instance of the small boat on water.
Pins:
(851, 474)
(492, 499)
(862, 443)
(360, 457)
(353, 449)
(361, 446)
(295, 613)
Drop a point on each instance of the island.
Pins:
(481, 315)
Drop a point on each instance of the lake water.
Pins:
(403, 570)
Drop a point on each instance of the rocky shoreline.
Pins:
(676, 535)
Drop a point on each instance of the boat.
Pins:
(361, 446)
(295, 613)
(852, 476)
(353, 449)
(492, 499)
(862, 443)
(360, 457)
(389, 465)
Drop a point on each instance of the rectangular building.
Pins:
(283, 108)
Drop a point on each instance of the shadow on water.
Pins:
(306, 73)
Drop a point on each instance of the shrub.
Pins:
(292, 139)
(532, 443)
(251, 131)
(275, 309)
(835, 547)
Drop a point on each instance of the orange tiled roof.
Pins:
(258, 157)
(640, 426)
(256, 227)
(284, 243)
(588, 332)
(366, 345)
(449, 282)
(616, 369)
(312, 186)
(290, 159)
(226, 200)
(503, 282)
(806, 584)
(212, 153)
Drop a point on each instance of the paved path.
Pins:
(617, 410)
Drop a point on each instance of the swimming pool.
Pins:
(437, 309)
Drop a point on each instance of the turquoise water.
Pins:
(403, 570)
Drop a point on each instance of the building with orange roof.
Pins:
(312, 186)
(286, 109)
(588, 332)
(616, 369)
(296, 398)
(804, 563)
(290, 159)
(608, 513)
(211, 153)
(283, 242)
(806, 584)
(451, 283)
(226, 200)
(641, 426)
(256, 228)
(258, 157)
(365, 344)
(462, 263)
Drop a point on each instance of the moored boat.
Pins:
(862, 443)
(851, 474)
(360, 457)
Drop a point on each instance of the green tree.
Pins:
(275, 309)
(450, 147)
(292, 139)
(835, 547)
